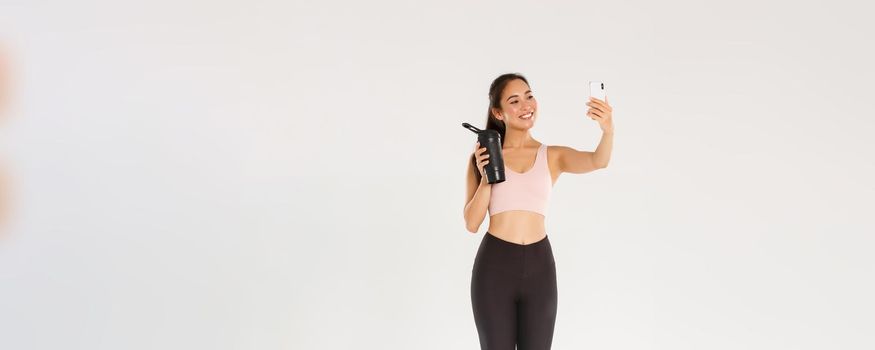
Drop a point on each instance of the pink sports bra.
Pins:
(528, 191)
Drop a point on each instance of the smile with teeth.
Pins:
(527, 116)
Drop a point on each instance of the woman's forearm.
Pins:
(475, 210)
(602, 154)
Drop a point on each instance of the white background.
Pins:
(275, 175)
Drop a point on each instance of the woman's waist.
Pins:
(524, 218)
(521, 227)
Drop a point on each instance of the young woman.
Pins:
(513, 280)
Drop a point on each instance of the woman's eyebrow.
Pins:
(515, 95)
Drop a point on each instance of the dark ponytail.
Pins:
(495, 102)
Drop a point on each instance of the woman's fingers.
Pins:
(481, 156)
(600, 108)
(481, 165)
(480, 152)
(480, 159)
(603, 105)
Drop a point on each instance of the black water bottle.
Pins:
(490, 139)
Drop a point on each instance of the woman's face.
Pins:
(519, 109)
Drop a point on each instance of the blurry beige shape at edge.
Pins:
(4, 96)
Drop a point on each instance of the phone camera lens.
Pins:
(603, 86)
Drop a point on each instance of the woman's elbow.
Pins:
(471, 228)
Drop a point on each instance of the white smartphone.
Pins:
(597, 90)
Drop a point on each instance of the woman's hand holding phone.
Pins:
(599, 110)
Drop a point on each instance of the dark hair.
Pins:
(492, 123)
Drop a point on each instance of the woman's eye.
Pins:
(513, 102)
(531, 97)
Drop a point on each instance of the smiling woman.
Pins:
(513, 280)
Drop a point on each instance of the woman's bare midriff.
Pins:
(517, 226)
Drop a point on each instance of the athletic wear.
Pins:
(513, 294)
(524, 191)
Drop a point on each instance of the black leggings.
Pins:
(513, 294)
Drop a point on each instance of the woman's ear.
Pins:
(497, 114)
